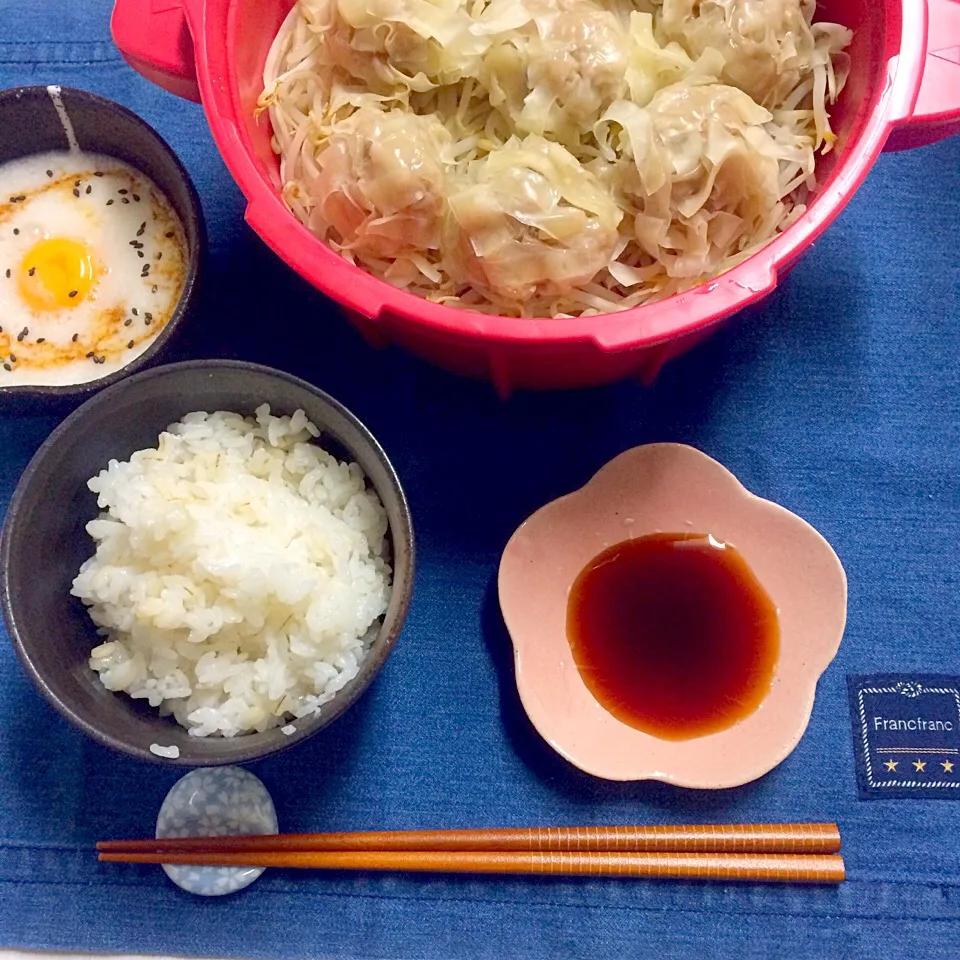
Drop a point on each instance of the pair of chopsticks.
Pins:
(771, 853)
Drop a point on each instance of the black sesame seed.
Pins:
(153, 289)
(49, 173)
(160, 256)
(123, 192)
(169, 234)
(109, 203)
(127, 322)
(135, 312)
(143, 229)
(20, 337)
(147, 321)
(8, 273)
(75, 337)
(140, 254)
(130, 345)
(90, 354)
(124, 200)
(21, 198)
(149, 316)
(16, 231)
(41, 339)
(136, 197)
(98, 173)
(13, 359)
(13, 200)
(72, 294)
(32, 271)
(7, 366)
(76, 192)
(89, 189)
(76, 183)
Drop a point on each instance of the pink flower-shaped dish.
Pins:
(668, 488)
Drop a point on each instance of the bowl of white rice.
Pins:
(206, 563)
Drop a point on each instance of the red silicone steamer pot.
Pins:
(903, 91)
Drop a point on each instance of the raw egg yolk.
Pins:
(55, 274)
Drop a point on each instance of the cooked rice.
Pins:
(240, 572)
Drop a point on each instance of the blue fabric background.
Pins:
(839, 398)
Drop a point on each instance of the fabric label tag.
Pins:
(906, 735)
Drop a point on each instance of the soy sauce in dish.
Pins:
(673, 634)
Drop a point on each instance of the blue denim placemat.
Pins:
(839, 397)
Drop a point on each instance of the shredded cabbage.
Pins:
(550, 157)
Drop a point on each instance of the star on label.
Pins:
(920, 765)
(891, 765)
(947, 766)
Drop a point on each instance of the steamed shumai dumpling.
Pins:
(704, 176)
(560, 69)
(767, 46)
(389, 44)
(379, 189)
(528, 220)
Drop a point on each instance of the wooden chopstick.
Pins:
(764, 867)
(786, 838)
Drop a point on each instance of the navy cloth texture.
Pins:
(838, 397)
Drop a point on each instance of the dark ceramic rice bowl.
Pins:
(44, 542)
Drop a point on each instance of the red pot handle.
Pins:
(155, 40)
(936, 113)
